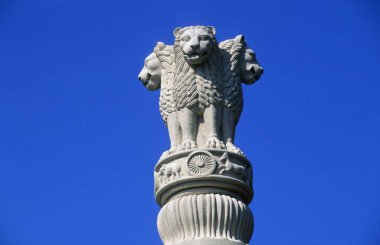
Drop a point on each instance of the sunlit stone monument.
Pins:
(203, 182)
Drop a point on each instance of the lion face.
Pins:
(196, 45)
(250, 69)
(150, 75)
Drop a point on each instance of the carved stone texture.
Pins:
(158, 72)
(200, 171)
(201, 96)
(204, 196)
(203, 182)
(201, 163)
(205, 219)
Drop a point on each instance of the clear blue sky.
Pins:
(80, 135)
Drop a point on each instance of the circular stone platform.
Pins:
(203, 171)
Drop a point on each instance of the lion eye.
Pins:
(203, 37)
(185, 38)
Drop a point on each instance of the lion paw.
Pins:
(172, 149)
(164, 154)
(233, 148)
(214, 142)
(188, 145)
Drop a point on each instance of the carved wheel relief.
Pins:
(200, 163)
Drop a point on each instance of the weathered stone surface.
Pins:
(203, 182)
(200, 171)
(205, 218)
(201, 95)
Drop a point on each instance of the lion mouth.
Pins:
(146, 80)
(195, 56)
(148, 76)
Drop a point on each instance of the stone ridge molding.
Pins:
(203, 182)
(217, 170)
(205, 219)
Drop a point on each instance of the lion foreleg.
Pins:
(212, 118)
(188, 123)
(228, 129)
(175, 134)
(228, 126)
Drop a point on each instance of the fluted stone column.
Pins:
(204, 196)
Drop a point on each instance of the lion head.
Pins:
(150, 74)
(250, 68)
(195, 42)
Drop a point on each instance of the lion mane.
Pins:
(165, 55)
(232, 89)
(197, 86)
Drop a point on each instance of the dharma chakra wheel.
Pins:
(200, 163)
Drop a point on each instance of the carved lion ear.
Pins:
(176, 31)
(240, 39)
(212, 30)
(160, 45)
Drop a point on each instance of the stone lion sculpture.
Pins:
(201, 100)
(197, 83)
(201, 97)
(239, 65)
(158, 73)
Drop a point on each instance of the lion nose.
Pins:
(194, 44)
(194, 47)
(259, 70)
(140, 77)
